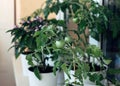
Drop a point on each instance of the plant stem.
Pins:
(43, 59)
(74, 66)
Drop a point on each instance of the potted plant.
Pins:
(73, 49)
(69, 47)
(34, 37)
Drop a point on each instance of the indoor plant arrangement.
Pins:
(68, 47)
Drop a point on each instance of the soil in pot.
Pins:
(96, 68)
(27, 52)
(48, 69)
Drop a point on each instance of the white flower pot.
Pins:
(48, 79)
(60, 78)
(25, 65)
(33, 81)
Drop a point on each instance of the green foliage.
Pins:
(113, 71)
(64, 67)
(94, 51)
(37, 35)
(29, 59)
(86, 14)
(96, 78)
(43, 35)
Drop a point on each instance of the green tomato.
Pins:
(75, 20)
(59, 44)
(67, 39)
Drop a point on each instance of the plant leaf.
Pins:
(107, 61)
(65, 69)
(37, 73)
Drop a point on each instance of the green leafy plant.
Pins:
(77, 53)
(38, 36)
(23, 34)
(25, 42)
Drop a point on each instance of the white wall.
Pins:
(6, 13)
(6, 22)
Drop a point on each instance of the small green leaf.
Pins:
(107, 61)
(56, 65)
(37, 73)
(30, 63)
(41, 40)
(11, 47)
(29, 57)
(65, 69)
(46, 11)
(36, 33)
(38, 56)
(18, 51)
(55, 8)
